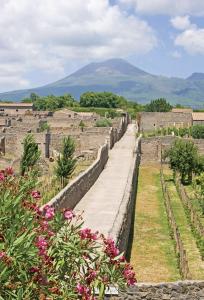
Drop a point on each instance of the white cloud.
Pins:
(192, 40)
(181, 22)
(176, 54)
(167, 7)
(47, 35)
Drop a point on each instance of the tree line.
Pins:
(96, 100)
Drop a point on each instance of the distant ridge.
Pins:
(196, 76)
(121, 77)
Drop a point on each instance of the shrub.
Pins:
(82, 125)
(198, 131)
(44, 126)
(103, 123)
(183, 132)
(46, 254)
(164, 131)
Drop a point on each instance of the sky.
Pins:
(42, 41)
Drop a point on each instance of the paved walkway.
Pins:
(102, 201)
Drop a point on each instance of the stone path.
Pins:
(102, 201)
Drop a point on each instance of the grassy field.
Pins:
(196, 265)
(152, 255)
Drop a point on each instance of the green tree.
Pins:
(183, 157)
(31, 154)
(158, 105)
(51, 102)
(34, 97)
(66, 162)
(102, 99)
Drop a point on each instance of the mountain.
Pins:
(196, 76)
(120, 77)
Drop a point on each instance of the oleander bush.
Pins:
(45, 254)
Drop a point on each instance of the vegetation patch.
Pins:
(152, 253)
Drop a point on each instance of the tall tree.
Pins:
(31, 154)
(183, 158)
(158, 105)
(66, 162)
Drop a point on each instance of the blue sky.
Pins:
(44, 40)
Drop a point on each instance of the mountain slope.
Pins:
(119, 76)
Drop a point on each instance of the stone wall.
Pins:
(182, 290)
(151, 147)
(14, 143)
(87, 141)
(69, 122)
(75, 190)
(149, 121)
(120, 231)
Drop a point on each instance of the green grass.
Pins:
(196, 265)
(152, 256)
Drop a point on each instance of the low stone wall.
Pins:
(120, 231)
(73, 192)
(182, 290)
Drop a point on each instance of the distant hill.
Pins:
(120, 77)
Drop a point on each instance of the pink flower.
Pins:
(42, 246)
(87, 234)
(129, 275)
(41, 243)
(2, 177)
(2, 254)
(36, 195)
(50, 233)
(83, 291)
(34, 270)
(111, 250)
(9, 171)
(44, 225)
(91, 276)
(49, 212)
(69, 214)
